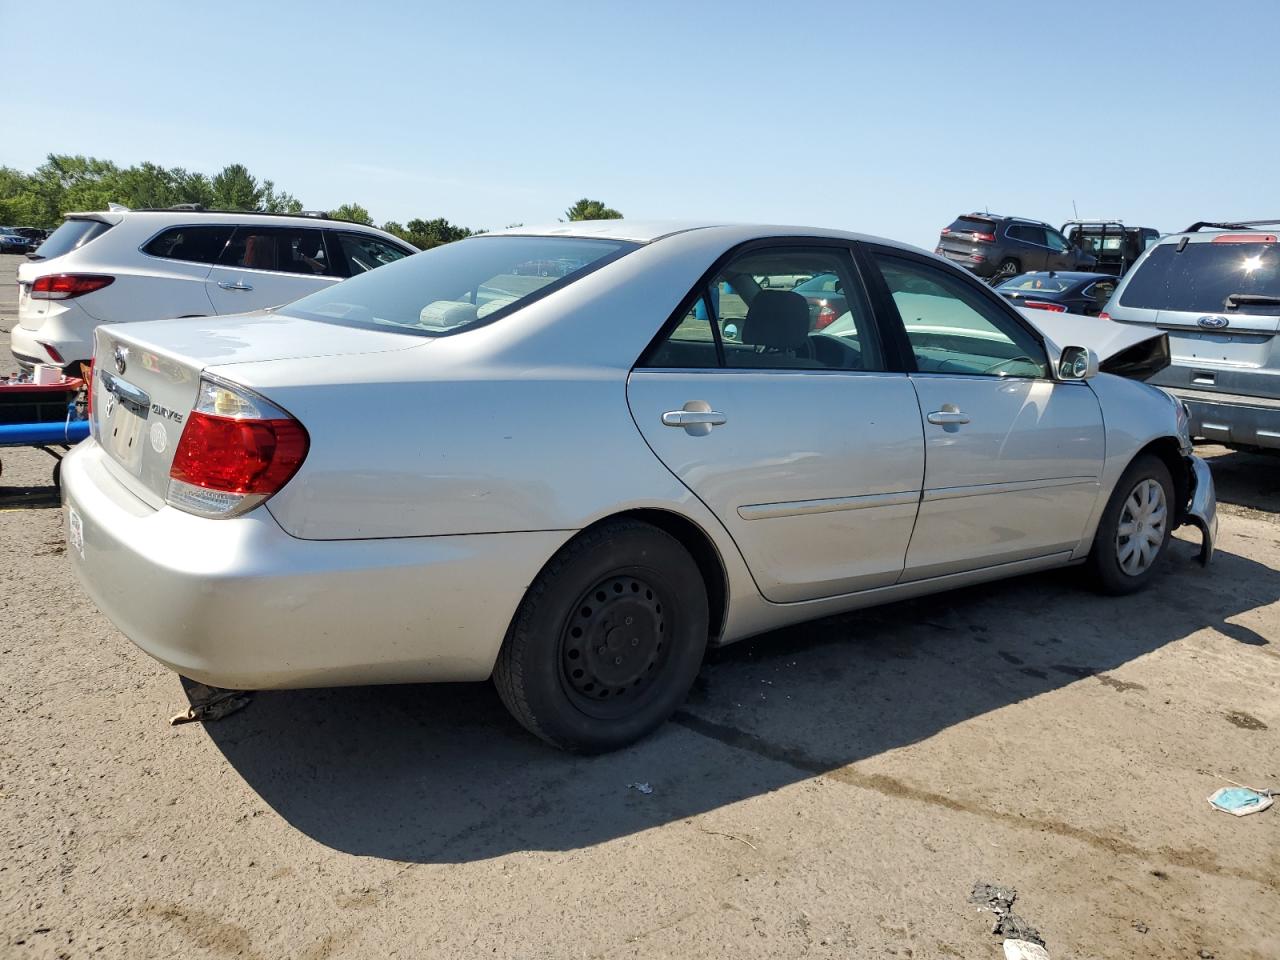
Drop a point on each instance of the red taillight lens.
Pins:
(826, 314)
(64, 286)
(1042, 305)
(52, 351)
(236, 450)
(985, 237)
(1245, 238)
(978, 257)
(1104, 316)
(946, 231)
(238, 456)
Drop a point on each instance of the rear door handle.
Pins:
(948, 414)
(697, 423)
(238, 285)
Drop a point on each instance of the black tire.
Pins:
(651, 626)
(1104, 559)
(1007, 269)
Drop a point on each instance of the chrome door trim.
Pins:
(1016, 486)
(796, 508)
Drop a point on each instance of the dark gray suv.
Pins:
(996, 247)
(1215, 288)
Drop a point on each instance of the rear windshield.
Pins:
(72, 235)
(1204, 275)
(1033, 283)
(458, 285)
(971, 225)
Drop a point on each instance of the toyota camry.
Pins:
(466, 465)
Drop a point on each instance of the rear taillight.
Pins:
(64, 286)
(1245, 238)
(985, 237)
(1043, 305)
(826, 314)
(1104, 316)
(52, 351)
(946, 231)
(236, 450)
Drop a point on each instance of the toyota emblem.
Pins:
(1213, 323)
(122, 359)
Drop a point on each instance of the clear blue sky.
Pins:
(887, 118)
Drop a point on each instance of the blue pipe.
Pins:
(35, 434)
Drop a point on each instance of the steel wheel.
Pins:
(1144, 522)
(614, 645)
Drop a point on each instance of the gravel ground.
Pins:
(831, 790)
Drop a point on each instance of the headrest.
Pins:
(777, 319)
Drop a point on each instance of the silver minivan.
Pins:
(1215, 289)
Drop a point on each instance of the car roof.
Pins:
(1205, 231)
(649, 231)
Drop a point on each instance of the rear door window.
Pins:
(197, 244)
(72, 235)
(282, 249)
(1027, 234)
(972, 225)
(1208, 277)
(362, 253)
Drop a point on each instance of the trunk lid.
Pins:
(147, 377)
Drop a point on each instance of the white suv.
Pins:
(125, 265)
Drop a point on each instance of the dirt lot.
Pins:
(833, 790)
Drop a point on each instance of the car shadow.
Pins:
(439, 773)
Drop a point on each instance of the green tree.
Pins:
(586, 209)
(352, 211)
(425, 234)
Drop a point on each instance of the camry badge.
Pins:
(122, 359)
(1213, 323)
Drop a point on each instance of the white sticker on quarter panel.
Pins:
(159, 438)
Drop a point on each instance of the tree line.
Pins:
(64, 183)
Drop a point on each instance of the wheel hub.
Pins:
(615, 640)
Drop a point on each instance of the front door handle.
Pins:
(238, 285)
(949, 414)
(696, 417)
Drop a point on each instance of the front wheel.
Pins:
(607, 641)
(1135, 527)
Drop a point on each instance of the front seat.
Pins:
(777, 325)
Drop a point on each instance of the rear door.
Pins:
(269, 266)
(799, 439)
(1029, 245)
(1013, 458)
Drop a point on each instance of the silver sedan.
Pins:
(575, 481)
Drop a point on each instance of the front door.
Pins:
(269, 266)
(1013, 458)
(794, 435)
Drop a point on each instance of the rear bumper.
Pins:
(1232, 418)
(66, 326)
(239, 603)
(1202, 512)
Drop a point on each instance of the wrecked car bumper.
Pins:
(1202, 511)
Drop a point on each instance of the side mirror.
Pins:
(1077, 363)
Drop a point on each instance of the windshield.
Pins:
(458, 285)
(1037, 284)
(72, 235)
(1204, 275)
(971, 225)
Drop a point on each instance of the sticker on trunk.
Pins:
(75, 531)
(159, 439)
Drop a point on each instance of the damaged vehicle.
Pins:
(449, 469)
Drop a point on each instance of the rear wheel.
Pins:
(1008, 268)
(1135, 527)
(607, 641)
